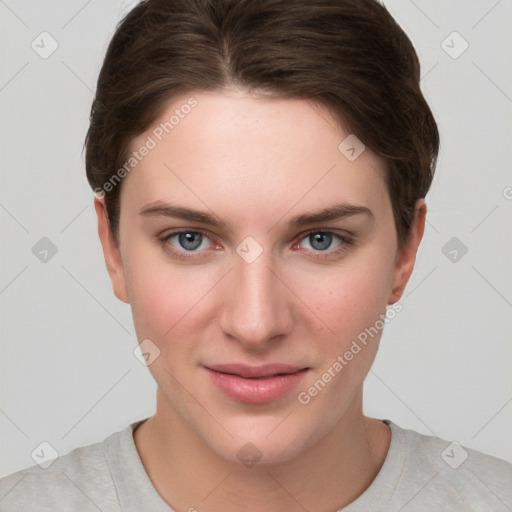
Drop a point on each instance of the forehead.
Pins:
(261, 154)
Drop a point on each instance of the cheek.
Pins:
(172, 305)
(349, 298)
(163, 296)
(351, 303)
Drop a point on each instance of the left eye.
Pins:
(322, 240)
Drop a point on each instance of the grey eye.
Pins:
(320, 240)
(190, 240)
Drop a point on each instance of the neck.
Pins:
(328, 475)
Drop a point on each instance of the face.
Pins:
(266, 282)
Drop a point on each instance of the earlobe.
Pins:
(111, 251)
(406, 254)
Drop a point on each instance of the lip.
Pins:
(256, 384)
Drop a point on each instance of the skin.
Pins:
(256, 162)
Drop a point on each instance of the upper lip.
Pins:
(248, 372)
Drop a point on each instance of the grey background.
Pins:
(68, 374)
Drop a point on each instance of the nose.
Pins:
(258, 307)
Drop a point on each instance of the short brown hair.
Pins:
(350, 55)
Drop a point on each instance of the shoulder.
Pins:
(437, 467)
(79, 480)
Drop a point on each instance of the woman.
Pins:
(260, 170)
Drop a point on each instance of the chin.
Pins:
(265, 446)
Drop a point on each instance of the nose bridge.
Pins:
(257, 308)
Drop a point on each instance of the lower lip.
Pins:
(256, 391)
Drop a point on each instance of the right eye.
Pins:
(181, 242)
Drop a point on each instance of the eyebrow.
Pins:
(334, 212)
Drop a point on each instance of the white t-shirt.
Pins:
(420, 473)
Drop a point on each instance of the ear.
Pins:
(111, 251)
(406, 254)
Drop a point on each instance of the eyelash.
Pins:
(346, 243)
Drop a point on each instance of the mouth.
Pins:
(256, 385)
(256, 372)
